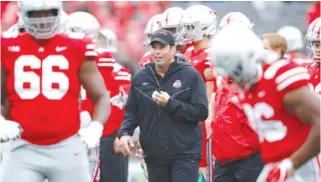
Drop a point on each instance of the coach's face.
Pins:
(162, 54)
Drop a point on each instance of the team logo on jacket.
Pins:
(177, 84)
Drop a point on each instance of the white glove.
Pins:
(9, 130)
(119, 100)
(91, 134)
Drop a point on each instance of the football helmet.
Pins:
(153, 24)
(82, 22)
(235, 17)
(236, 53)
(312, 37)
(111, 39)
(293, 37)
(63, 25)
(171, 20)
(198, 22)
(43, 27)
(19, 27)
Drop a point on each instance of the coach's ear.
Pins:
(173, 50)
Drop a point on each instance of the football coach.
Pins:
(167, 101)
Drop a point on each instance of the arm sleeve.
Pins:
(197, 109)
(130, 119)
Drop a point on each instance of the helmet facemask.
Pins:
(314, 48)
(193, 32)
(42, 24)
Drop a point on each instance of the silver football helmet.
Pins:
(111, 39)
(236, 53)
(42, 26)
(198, 22)
(293, 37)
(235, 17)
(153, 24)
(82, 22)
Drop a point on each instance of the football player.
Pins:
(117, 80)
(152, 26)
(280, 107)
(171, 21)
(197, 28)
(234, 144)
(42, 73)
(313, 38)
(294, 40)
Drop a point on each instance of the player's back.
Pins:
(43, 84)
(280, 132)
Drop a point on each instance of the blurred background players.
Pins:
(290, 121)
(196, 31)
(128, 19)
(235, 145)
(55, 76)
(117, 81)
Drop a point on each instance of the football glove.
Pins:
(91, 134)
(9, 130)
(281, 171)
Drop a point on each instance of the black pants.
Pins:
(113, 167)
(182, 169)
(243, 170)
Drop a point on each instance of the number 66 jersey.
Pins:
(42, 84)
(280, 133)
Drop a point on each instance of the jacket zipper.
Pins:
(158, 86)
(180, 91)
(144, 94)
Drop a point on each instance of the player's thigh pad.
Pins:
(21, 164)
(69, 161)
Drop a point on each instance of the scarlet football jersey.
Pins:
(43, 85)
(314, 71)
(147, 58)
(233, 138)
(199, 60)
(115, 77)
(120, 86)
(105, 63)
(280, 133)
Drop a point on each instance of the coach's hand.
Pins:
(161, 98)
(9, 130)
(126, 145)
(91, 134)
(116, 145)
